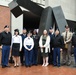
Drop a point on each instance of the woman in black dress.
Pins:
(16, 47)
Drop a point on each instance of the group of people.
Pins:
(24, 47)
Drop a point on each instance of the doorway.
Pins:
(30, 20)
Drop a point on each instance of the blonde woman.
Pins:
(44, 44)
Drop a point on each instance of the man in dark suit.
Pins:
(74, 45)
(58, 44)
(5, 41)
(36, 45)
(51, 34)
(23, 35)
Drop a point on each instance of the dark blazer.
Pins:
(74, 40)
(5, 38)
(23, 37)
(58, 41)
(36, 41)
(51, 38)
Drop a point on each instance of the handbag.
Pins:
(66, 46)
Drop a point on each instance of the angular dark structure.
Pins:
(38, 17)
(59, 18)
(31, 6)
(27, 4)
(15, 9)
(47, 20)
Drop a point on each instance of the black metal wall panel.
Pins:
(15, 9)
(31, 6)
(59, 18)
(47, 20)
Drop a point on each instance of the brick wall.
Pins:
(4, 17)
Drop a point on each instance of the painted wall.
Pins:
(16, 23)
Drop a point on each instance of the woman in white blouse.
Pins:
(28, 44)
(16, 47)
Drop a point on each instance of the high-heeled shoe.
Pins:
(43, 65)
(17, 65)
(46, 64)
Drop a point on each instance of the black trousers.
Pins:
(51, 56)
(22, 56)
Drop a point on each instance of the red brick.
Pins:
(4, 17)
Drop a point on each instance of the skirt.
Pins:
(15, 49)
(44, 54)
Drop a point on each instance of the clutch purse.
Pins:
(66, 46)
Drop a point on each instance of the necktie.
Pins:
(66, 37)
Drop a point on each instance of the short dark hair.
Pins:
(16, 30)
(6, 26)
(50, 28)
(66, 26)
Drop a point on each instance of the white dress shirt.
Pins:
(17, 39)
(28, 41)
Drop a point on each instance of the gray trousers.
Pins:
(66, 54)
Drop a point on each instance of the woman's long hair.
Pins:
(46, 33)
